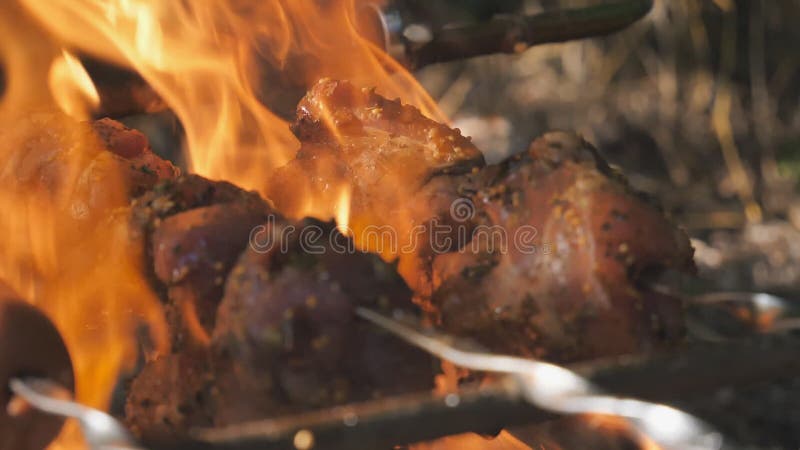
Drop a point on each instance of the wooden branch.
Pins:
(123, 92)
(511, 34)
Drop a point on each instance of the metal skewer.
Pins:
(528, 392)
(101, 431)
(560, 390)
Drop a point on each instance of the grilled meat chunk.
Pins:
(85, 169)
(392, 162)
(286, 338)
(188, 192)
(192, 254)
(555, 269)
(194, 230)
(147, 168)
(170, 395)
(543, 254)
(288, 327)
(546, 255)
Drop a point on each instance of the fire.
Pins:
(64, 237)
(212, 62)
(65, 240)
(470, 441)
(215, 64)
(343, 211)
(65, 250)
(71, 86)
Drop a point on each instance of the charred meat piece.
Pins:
(287, 326)
(85, 169)
(192, 254)
(194, 230)
(578, 242)
(337, 111)
(556, 267)
(390, 160)
(170, 395)
(188, 192)
(133, 146)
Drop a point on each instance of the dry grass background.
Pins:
(697, 103)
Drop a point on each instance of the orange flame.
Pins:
(211, 60)
(63, 246)
(65, 250)
(215, 64)
(71, 86)
(343, 211)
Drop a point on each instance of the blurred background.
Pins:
(697, 104)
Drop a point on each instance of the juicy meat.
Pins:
(84, 169)
(194, 230)
(547, 254)
(568, 283)
(188, 192)
(133, 146)
(359, 118)
(387, 156)
(170, 395)
(192, 254)
(555, 269)
(286, 339)
(287, 324)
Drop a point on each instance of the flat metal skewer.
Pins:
(518, 397)
(100, 430)
(557, 389)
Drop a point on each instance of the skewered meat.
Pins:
(195, 230)
(590, 238)
(395, 163)
(286, 339)
(566, 283)
(287, 325)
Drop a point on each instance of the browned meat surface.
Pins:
(195, 230)
(84, 169)
(188, 192)
(193, 252)
(566, 281)
(388, 156)
(288, 327)
(132, 145)
(170, 394)
(286, 340)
